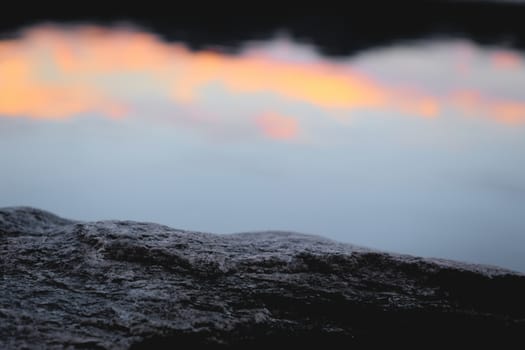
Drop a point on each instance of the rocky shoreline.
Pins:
(124, 284)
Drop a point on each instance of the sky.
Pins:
(415, 148)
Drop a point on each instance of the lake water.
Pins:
(415, 148)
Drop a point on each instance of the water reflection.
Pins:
(416, 148)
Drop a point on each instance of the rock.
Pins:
(132, 285)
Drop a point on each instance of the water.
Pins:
(416, 147)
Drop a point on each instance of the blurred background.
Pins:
(394, 126)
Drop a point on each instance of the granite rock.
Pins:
(132, 285)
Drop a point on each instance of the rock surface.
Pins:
(123, 284)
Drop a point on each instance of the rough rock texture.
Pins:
(122, 284)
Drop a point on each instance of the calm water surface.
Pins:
(417, 147)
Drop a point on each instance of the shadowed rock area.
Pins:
(122, 284)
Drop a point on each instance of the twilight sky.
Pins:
(416, 148)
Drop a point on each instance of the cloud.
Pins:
(506, 60)
(472, 103)
(278, 126)
(57, 73)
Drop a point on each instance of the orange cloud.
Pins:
(23, 95)
(317, 84)
(508, 112)
(474, 103)
(277, 126)
(415, 102)
(56, 73)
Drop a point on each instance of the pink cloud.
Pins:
(505, 60)
(277, 126)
